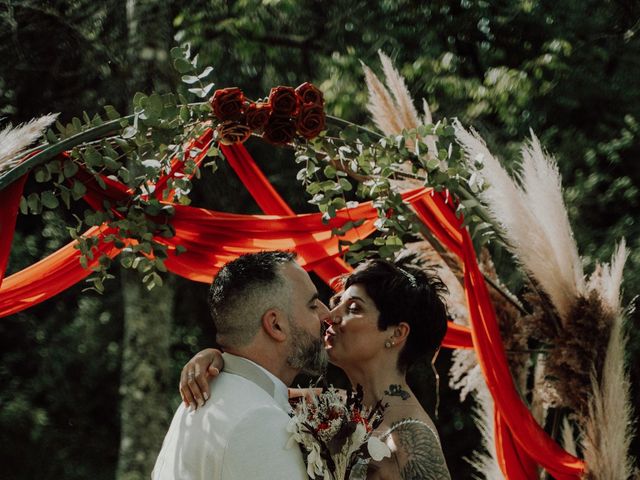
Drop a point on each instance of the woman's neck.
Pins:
(380, 384)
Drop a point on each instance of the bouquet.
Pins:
(336, 435)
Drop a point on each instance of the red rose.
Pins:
(279, 130)
(227, 103)
(310, 121)
(283, 100)
(309, 93)
(231, 132)
(257, 115)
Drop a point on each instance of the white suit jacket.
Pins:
(239, 434)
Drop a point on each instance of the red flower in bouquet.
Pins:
(309, 93)
(228, 103)
(257, 115)
(279, 130)
(231, 132)
(283, 100)
(310, 121)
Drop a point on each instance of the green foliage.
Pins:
(151, 141)
(351, 162)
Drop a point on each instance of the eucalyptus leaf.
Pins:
(345, 184)
(51, 137)
(70, 168)
(42, 175)
(49, 200)
(77, 124)
(92, 157)
(78, 190)
(33, 201)
(153, 106)
(182, 65)
(24, 206)
(65, 195)
(206, 72)
(129, 132)
(190, 79)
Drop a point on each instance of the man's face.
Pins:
(306, 317)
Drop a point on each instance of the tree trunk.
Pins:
(148, 315)
(144, 415)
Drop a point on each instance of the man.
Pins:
(269, 322)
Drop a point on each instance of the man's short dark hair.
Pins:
(406, 294)
(243, 290)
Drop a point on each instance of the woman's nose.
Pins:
(333, 318)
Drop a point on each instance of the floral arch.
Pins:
(212, 238)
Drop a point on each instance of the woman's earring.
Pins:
(388, 343)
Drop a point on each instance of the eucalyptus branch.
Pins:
(51, 151)
(354, 125)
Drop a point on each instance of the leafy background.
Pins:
(566, 69)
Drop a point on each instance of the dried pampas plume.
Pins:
(14, 140)
(485, 461)
(568, 440)
(586, 359)
(608, 431)
(607, 279)
(392, 107)
(532, 216)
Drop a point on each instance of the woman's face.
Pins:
(353, 336)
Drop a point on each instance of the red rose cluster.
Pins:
(286, 112)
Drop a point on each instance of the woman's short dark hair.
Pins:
(406, 294)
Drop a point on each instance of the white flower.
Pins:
(377, 448)
(293, 429)
(314, 461)
(357, 439)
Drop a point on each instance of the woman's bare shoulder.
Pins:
(416, 448)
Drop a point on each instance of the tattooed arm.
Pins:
(418, 454)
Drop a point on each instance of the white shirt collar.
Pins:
(280, 390)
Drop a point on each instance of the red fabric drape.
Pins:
(49, 276)
(524, 440)
(213, 238)
(271, 202)
(10, 201)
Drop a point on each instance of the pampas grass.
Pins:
(542, 186)
(403, 101)
(391, 107)
(568, 440)
(485, 461)
(14, 140)
(532, 216)
(380, 105)
(607, 279)
(586, 357)
(608, 431)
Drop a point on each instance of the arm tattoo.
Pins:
(419, 453)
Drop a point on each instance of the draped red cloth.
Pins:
(214, 238)
(10, 201)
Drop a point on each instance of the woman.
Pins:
(385, 320)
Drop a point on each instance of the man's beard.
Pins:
(306, 352)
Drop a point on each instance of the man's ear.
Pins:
(274, 324)
(401, 332)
